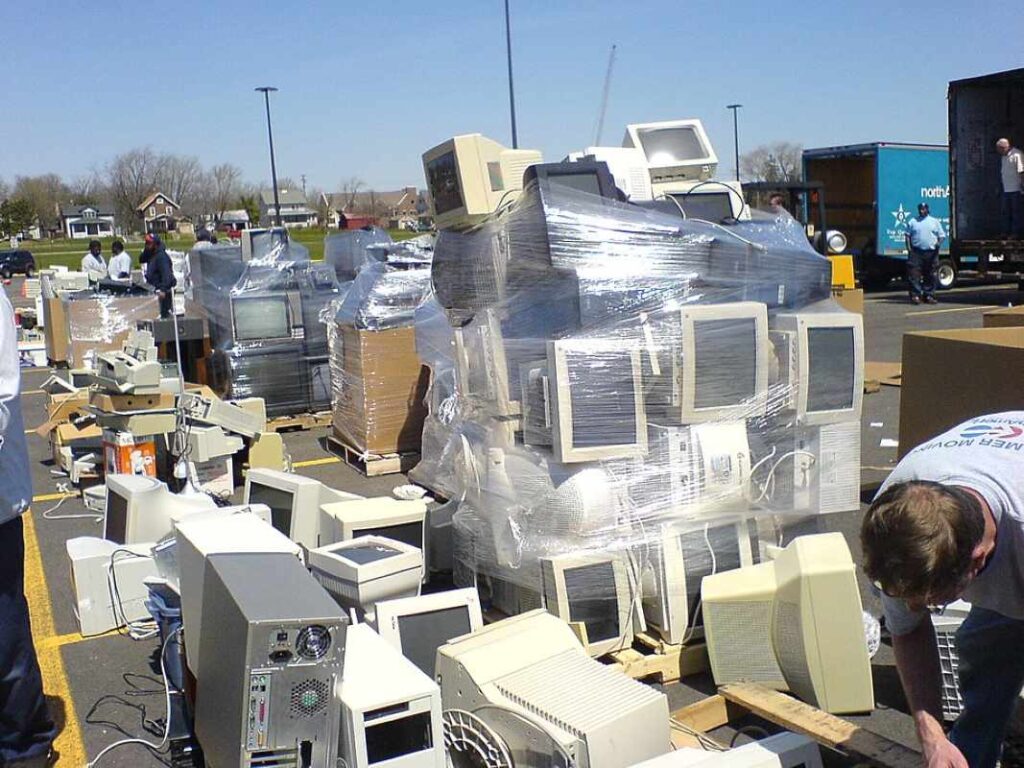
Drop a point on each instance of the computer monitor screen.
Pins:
(261, 318)
(831, 368)
(281, 504)
(395, 738)
(116, 525)
(709, 206)
(664, 146)
(423, 633)
(443, 181)
(582, 182)
(725, 361)
(593, 599)
(407, 533)
(602, 391)
(365, 554)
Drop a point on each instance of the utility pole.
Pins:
(303, 185)
(511, 89)
(736, 134)
(266, 91)
(604, 98)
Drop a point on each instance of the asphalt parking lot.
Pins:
(94, 684)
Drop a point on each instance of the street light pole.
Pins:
(511, 90)
(736, 134)
(266, 90)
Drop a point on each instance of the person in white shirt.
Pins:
(120, 263)
(1011, 170)
(93, 263)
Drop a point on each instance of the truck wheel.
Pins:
(945, 274)
(6, 273)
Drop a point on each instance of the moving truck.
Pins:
(872, 190)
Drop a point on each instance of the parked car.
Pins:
(17, 261)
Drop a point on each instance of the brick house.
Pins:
(158, 213)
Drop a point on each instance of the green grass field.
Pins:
(69, 253)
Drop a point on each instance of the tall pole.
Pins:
(511, 89)
(266, 89)
(736, 134)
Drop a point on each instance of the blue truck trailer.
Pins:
(872, 190)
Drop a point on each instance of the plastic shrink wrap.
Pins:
(629, 401)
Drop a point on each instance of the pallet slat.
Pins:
(302, 421)
(665, 663)
(371, 464)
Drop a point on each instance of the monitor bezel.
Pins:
(487, 328)
(398, 512)
(252, 297)
(389, 612)
(332, 562)
(689, 316)
(304, 531)
(543, 173)
(807, 321)
(676, 171)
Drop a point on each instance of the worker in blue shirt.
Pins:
(924, 238)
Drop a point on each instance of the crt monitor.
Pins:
(141, 509)
(469, 176)
(721, 372)
(821, 357)
(401, 520)
(481, 367)
(708, 206)
(587, 176)
(794, 623)
(597, 399)
(627, 165)
(676, 150)
(255, 318)
(418, 626)
(595, 590)
(367, 570)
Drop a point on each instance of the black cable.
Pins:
(747, 730)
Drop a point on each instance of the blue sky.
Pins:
(366, 87)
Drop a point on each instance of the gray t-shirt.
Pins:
(985, 454)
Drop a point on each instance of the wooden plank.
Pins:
(301, 421)
(708, 714)
(826, 729)
(371, 464)
(667, 666)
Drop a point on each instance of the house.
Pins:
(87, 221)
(229, 220)
(295, 212)
(158, 213)
(405, 208)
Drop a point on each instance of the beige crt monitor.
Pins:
(676, 150)
(469, 176)
(793, 624)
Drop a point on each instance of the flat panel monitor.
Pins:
(255, 318)
(598, 400)
(824, 363)
(141, 509)
(418, 626)
(593, 590)
(469, 176)
(722, 373)
(676, 150)
(794, 624)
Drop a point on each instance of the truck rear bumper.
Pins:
(996, 255)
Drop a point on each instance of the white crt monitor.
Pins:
(628, 166)
(400, 520)
(821, 357)
(596, 392)
(592, 589)
(783, 750)
(294, 502)
(794, 624)
(367, 570)
(721, 372)
(676, 150)
(469, 176)
(678, 563)
(418, 626)
(390, 710)
(141, 508)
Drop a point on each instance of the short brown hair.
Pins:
(918, 538)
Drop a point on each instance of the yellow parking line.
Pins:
(316, 462)
(950, 309)
(34, 392)
(52, 496)
(51, 663)
(59, 641)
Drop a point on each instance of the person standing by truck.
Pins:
(1012, 173)
(924, 238)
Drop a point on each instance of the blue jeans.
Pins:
(921, 271)
(1013, 214)
(26, 730)
(991, 677)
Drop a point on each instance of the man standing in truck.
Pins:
(1012, 173)
(924, 238)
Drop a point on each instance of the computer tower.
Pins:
(279, 640)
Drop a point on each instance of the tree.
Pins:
(777, 162)
(86, 190)
(16, 215)
(350, 190)
(44, 194)
(250, 202)
(178, 177)
(130, 177)
(225, 181)
(315, 198)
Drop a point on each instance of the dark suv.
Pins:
(17, 261)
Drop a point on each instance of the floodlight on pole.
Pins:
(736, 134)
(266, 91)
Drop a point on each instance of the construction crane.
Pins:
(604, 98)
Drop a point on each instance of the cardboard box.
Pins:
(1011, 317)
(102, 324)
(951, 376)
(105, 401)
(852, 300)
(76, 440)
(379, 406)
(126, 454)
(55, 330)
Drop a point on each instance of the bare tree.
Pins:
(225, 181)
(315, 198)
(44, 194)
(178, 178)
(780, 162)
(86, 190)
(350, 188)
(130, 177)
(5, 191)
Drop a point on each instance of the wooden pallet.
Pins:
(650, 658)
(300, 421)
(740, 699)
(372, 464)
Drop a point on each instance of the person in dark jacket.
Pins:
(160, 275)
